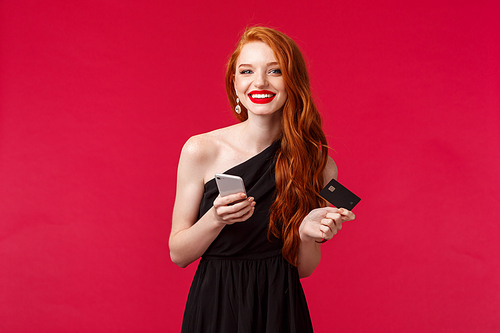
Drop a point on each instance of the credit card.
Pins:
(339, 196)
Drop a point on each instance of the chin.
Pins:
(265, 111)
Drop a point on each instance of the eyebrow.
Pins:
(268, 64)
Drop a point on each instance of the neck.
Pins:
(259, 132)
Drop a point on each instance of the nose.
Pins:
(260, 80)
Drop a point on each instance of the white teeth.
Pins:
(261, 95)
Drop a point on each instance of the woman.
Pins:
(254, 251)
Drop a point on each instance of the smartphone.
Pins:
(229, 184)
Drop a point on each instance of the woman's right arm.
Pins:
(190, 238)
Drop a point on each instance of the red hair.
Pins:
(302, 158)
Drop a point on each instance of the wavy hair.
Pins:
(303, 154)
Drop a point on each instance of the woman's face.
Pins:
(258, 80)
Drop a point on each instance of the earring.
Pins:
(237, 108)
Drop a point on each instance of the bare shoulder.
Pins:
(198, 148)
(197, 154)
(202, 152)
(330, 171)
(203, 145)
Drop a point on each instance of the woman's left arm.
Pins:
(320, 224)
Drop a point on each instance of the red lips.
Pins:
(261, 96)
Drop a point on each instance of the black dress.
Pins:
(243, 283)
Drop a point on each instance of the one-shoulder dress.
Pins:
(243, 284)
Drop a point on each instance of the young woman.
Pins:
(254, 251)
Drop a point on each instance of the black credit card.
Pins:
(339, 196)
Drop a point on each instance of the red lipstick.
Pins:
(261, 96)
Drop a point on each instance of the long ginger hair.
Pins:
(302, 158)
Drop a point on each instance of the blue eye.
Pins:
(246, 71)
(276, 71)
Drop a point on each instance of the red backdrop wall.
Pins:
(98, 97)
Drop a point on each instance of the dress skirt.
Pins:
(246, 295)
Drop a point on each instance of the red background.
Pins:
(98, 97)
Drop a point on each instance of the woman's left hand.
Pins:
(324, 223)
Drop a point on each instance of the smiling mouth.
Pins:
(261, 97)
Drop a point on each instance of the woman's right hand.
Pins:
(233, 208)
